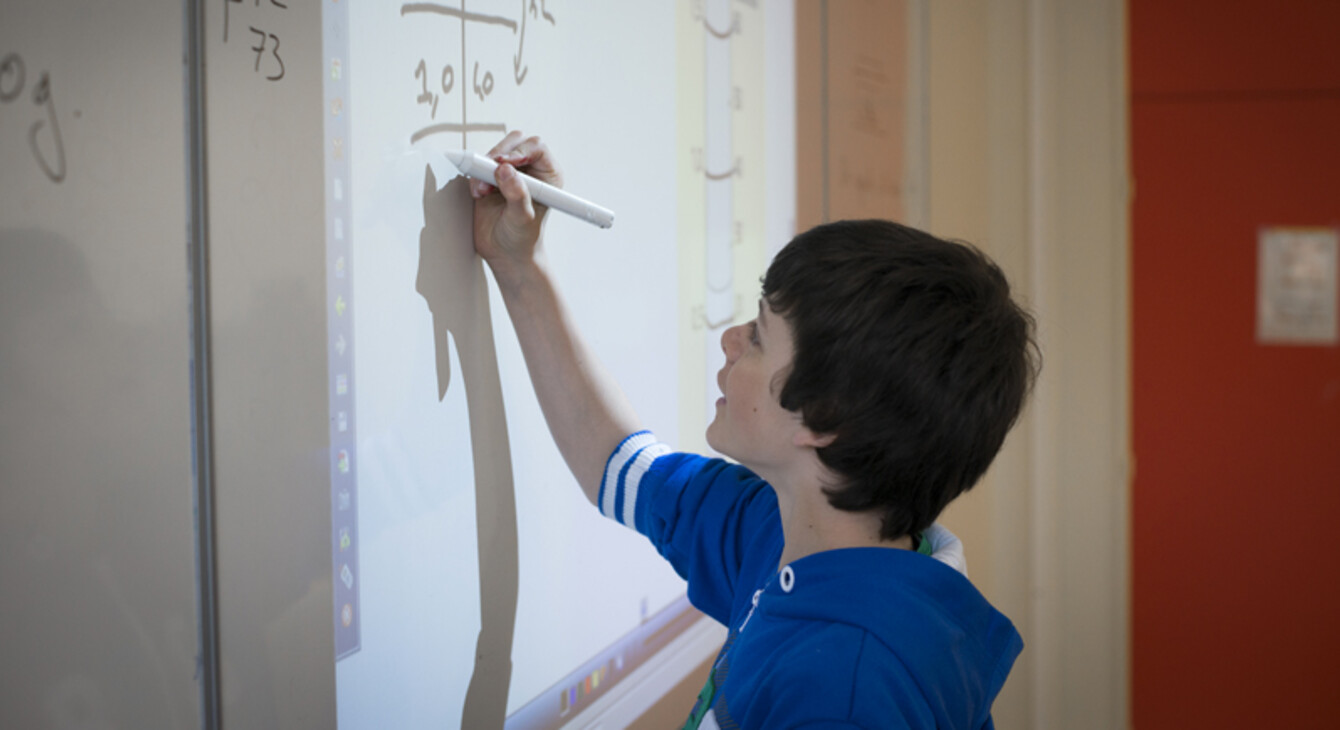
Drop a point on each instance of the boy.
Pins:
(876, 384)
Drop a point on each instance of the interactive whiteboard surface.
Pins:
(439, 444)
(466, 581)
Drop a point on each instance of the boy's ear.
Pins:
(806, 438)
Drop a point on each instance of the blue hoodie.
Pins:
(853, 638)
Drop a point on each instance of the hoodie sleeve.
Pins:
(708, 517)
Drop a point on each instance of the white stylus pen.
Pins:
(482, 168)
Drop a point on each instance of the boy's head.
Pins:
(909, 354)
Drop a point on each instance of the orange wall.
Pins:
(1236, 508)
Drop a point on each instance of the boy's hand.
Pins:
(587, 414)
(507, 222)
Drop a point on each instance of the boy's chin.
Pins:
(713, 438)
(719, 445)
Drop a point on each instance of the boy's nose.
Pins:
(731, 343)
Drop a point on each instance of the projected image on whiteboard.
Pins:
(484, 590)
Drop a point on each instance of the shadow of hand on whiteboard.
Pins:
(451, 279)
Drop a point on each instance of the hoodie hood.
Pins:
(956, 646)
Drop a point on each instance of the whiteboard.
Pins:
(426, 78)
(98, 614)
(569, 558)
(654, 124)
(668, 113)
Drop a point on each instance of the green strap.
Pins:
(704, 702)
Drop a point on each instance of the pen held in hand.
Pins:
(482, 168)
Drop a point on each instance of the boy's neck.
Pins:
(811, 525)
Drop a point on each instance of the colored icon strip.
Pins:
(340, 333)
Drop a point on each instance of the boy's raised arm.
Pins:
(586, 412)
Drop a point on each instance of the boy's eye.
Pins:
(753, 332)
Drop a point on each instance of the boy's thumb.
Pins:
(512, 189)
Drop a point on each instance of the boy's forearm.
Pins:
(586, 411)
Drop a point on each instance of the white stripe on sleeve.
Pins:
(609, 483)
(633, 479)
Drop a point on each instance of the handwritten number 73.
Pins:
(274, 51)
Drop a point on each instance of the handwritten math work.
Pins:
(437, 79)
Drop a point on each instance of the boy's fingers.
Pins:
(514, 190)
(523, 151)
(530, 153)
(507, 144)
(533, 155)
(504, 148)
(480, 189)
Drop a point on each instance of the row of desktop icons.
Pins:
(343, 503)
(341, 265)
(571, 696)
(342, 460)
(343, 498)
(345, 543)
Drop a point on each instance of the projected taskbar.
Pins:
(340, 333)
(587, 684)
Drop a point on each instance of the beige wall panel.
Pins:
(1027, 140)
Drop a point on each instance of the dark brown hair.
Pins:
(911, 352)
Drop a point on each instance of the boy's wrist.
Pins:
(516, 276)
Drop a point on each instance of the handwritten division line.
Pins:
(408, 8)
(455, 127)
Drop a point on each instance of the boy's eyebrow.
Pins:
(761, 322)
